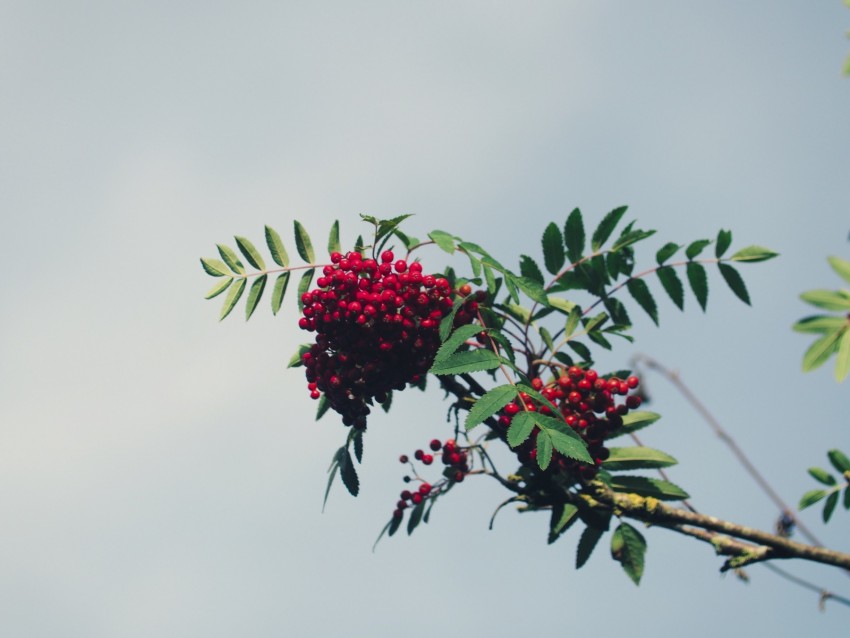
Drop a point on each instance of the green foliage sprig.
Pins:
(834, 329)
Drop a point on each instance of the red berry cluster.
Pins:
(456, 460)
(587, 403)
(376, 328)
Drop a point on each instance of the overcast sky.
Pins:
(161, 473)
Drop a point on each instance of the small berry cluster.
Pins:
(456, 460)
(376, 326)
(587, 403)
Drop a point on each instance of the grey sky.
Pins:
(160, 473)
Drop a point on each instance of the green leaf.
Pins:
(606, 227)
(846, 498)
(841, 267)
(628, 548)
(547, 339)
(640, 292)
(348, 473)
(529, 269)
(842, 361)
(821, 476)
(839, 461)
(829, 506)
(820, 324)
(279, 291)
(231, 259)
(490, 279)
(544, 449)
(553, 249)
(569, 443)
(333, 239)
(643, 486)
(304, 286)
(636, 458)
(561, 304)
(631, 237)
(810, 498)
(443, 240)
(828, 299)
(332, 474)
(581, 350)
(735, 282)
(724, 240)
(232, 297)
(665, 252)
(595, 322)
(696, 247)
(563, 516)
(574, 236)
(489, 404)
(415, 517)
(214, 267)
(447, 322)
(219, 288)
(386, 227)
(303, 244)
(572, 321)
(357, 439)
(323, 407)
(821, 350)
(470, 361)
(617, 310)
(753, 254)
(276, 247)
(295, 361)
(521, 426)
(254, 295)
(250, 252)
(532, 288)
(637, 420)
(672, 285)
(586, 544)
(699, 282)
(456, 340)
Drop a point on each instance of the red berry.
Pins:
(632, 382)
(387, 256)
(416, 498)
(435, 444)
(418, 455)
(465, 290)
(403, 458)
(427, 459)
(425, 488)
